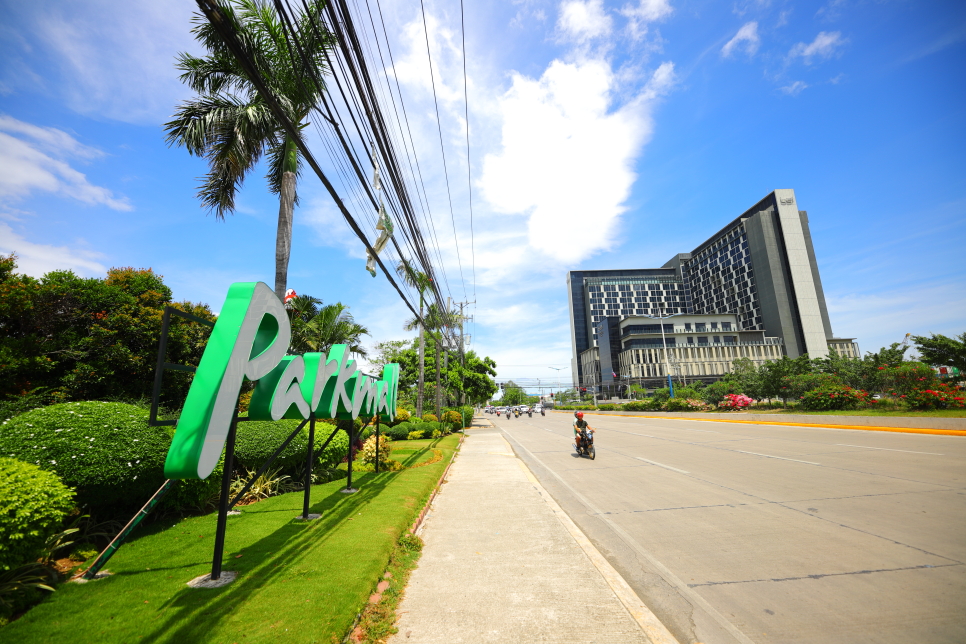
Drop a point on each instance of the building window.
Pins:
(690, 340)
(726, 326)
(699, 327)
(714, 326)
(687, 326)
(717, 340)
(701, 340)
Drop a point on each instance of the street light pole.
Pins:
(667, 359)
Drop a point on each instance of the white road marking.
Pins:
(886, 449)
(667, 467)
(778, 457)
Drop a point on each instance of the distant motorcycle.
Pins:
(530, 413)
(543, 413)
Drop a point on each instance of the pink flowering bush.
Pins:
(735, 401)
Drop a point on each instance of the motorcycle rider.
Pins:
(580, 424)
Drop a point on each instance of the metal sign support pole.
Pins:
(308, 467)
(223, 502)
(377, 442)
(352, 445)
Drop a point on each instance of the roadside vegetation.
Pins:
(882, 383)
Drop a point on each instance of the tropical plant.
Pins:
(435, 321)
(369, 451)
(318, 329)
(421, 282)
(230, 123)
(833, 397)
(941, 351)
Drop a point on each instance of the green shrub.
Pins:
(196, 494)
(677, 404)
(941, 396)
(648, 404)
(401, 415)
(716, 391)
(257, 440)
(833, 397)
(369, 450)
(400, 431)
(33, 504)
(415, 435)
(105, 450)
(452, 417)
(436, 434)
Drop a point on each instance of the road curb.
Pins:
(904, 430)
(652, 627)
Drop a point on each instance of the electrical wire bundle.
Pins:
(362, 122)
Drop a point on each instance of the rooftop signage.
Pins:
(251, 340)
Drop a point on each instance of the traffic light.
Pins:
(551, 394)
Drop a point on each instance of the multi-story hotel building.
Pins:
(758, 275)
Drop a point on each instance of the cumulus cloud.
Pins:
(567, 154)
(39, 259)
(645, 12)
(794, 89)
(583, 21)
(746, 40)
(824, 46)
(33, 159)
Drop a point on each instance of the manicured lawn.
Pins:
(298, 582)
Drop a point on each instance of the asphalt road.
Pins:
(757, 533)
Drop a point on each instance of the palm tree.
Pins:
(421, 282)
(230, 124)
(329, 325)
(435, 319)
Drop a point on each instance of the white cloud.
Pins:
(30, 165)
(879, 319)
(38, 259)
(794, 89)
(645, 12)
(824, 46)
(567, 155)
(107, 58)
(582, 21)
(746, 39)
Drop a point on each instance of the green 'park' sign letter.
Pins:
(250, 340)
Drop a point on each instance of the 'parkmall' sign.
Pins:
(250, 340)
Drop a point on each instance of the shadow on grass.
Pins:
(192, 615)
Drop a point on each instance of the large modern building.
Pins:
(757, 274)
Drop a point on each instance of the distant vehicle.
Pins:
(538, 408)
(524, 409)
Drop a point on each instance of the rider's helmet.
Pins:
(579, 415)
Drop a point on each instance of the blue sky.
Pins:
(603, 135)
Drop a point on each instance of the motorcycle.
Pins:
(530, 413)
(543, 413)
(586, 445)
(497, 414)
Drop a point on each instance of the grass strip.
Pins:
(378, 619)
(297, 582)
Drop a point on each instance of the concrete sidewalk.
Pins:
(503, 563)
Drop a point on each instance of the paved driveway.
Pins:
(756, 533)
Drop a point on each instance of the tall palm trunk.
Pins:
(439, 392)
(422, 361)
(286, 208)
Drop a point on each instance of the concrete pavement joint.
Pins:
(824, 575)
(647, 620)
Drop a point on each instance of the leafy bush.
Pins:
(715, 393)
(735, 401)
(942, 396)
(369, 450)
(415, 435)
(908, 378)
(105, 450)
(798, 385)
(430, 418)
(648, 404)
(400, 431)
(608, 407)
(271, 483)
(196, 494)
(402, 415)
(257, 440)
(453, 417)
(833, 397)
(684, 404)
(436, 434)
(33, 504)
